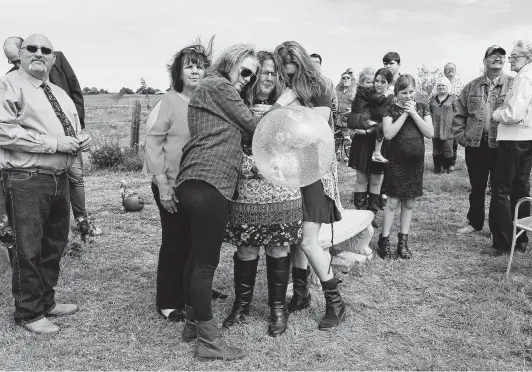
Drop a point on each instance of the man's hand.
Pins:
(69, 145)
(168, 198)
(85, 141)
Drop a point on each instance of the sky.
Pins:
(113, 43)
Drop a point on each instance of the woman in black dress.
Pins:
(406, 123)
(363, 145)
(321, 200)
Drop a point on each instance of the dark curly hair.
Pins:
(196, 54)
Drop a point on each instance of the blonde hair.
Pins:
(364, 74)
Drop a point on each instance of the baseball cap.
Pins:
(494, 49)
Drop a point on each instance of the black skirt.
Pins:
(362, 149)
(317, 206)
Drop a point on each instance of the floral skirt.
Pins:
(264, 215)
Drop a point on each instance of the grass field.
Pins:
(447, 309)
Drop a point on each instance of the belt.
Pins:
(37, 170)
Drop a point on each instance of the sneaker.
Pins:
(378, 158)
(452, 168)
(467, 230)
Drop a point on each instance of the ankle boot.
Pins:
(437, 163)
(189, 331)
(245, 273)
(301, 298)
(210, 344)
(446, 163)
(360, 199)
(383, 247)
(373, 205)
(334, 305)
(278, 272)
(402, 247)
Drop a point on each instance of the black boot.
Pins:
(447, 162)
(244, 277)
(402, 247)
(301, 298)
(278, 272)
(334, 306)
(373, 205)
(359, 200)
(383, 247)
(210, 344)
(189, 331)
(437, 163)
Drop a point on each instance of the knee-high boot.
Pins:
(334, 305)
(278, 272)
(360, 199)
(245, 273)
(301, 298)
(373, 205)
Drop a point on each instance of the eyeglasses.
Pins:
(34, 48)
(246, 72)
(497, 56)
(346, 78)
(514, 57)
(265, 74)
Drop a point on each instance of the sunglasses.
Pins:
(34, 48)
(346, 78)
(246, 72)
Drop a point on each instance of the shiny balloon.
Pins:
(293, 146)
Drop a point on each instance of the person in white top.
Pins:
(514, 136)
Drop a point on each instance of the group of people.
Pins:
(208, 189)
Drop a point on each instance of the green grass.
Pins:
(447, 309)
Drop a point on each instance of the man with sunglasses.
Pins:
(62, 75)
(39, 126)
(514, 137)
(475, 129)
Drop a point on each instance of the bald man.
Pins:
(37, 146)
(11, 47)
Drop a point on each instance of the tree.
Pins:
(426, 80)
(86, 90)
(104, 91)
(125, 90)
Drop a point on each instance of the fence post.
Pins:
(135, 126)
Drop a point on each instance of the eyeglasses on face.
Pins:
(265, 74)
(497, 56)
(346, 78)
(514, 56)
(246, 72)
(35, 48)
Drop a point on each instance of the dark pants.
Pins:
(511, 183)
(39, 211)
(442, 147)
(480, 163)
(207, 211)
(173, 255)
(77, 187)
(455, 151)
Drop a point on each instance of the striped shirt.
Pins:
(217, 119)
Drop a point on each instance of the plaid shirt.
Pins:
(217, 118)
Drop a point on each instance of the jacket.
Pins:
(468, 122)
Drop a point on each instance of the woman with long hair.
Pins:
(321, 200)
(218, 117)
(263, 216)
(164, 145)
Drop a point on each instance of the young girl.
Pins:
(405, 123)
(365, 97)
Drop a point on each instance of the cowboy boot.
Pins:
(210, 344)
(373, 205)
(359, 200)
(334, 305)
(278, 272)
(383, 247)
(301, 298)
(189, 330)
(402, 247)
(244, 278)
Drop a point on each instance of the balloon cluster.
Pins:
(293, 146)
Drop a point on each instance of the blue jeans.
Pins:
(77, 187)
(39, 211)
(511, 183)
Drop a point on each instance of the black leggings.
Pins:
(208, 213)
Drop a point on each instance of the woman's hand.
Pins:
(168, 198)
(365, 131)
(371, 123)
(260, 109)
(410, 107)
(287, 97)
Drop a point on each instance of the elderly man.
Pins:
(38, 128)
(345, 91)
(475, 129)
(512, 172)
(62, 75)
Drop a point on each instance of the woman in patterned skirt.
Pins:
(321, 199)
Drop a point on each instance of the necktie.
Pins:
(67, 125)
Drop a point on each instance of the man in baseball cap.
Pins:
(494, 49)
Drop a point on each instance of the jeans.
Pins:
(39, 212)
(77, 187)
(173, 255)
(208, 212)
(480, 163)
(442, 147)
(511, 183)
